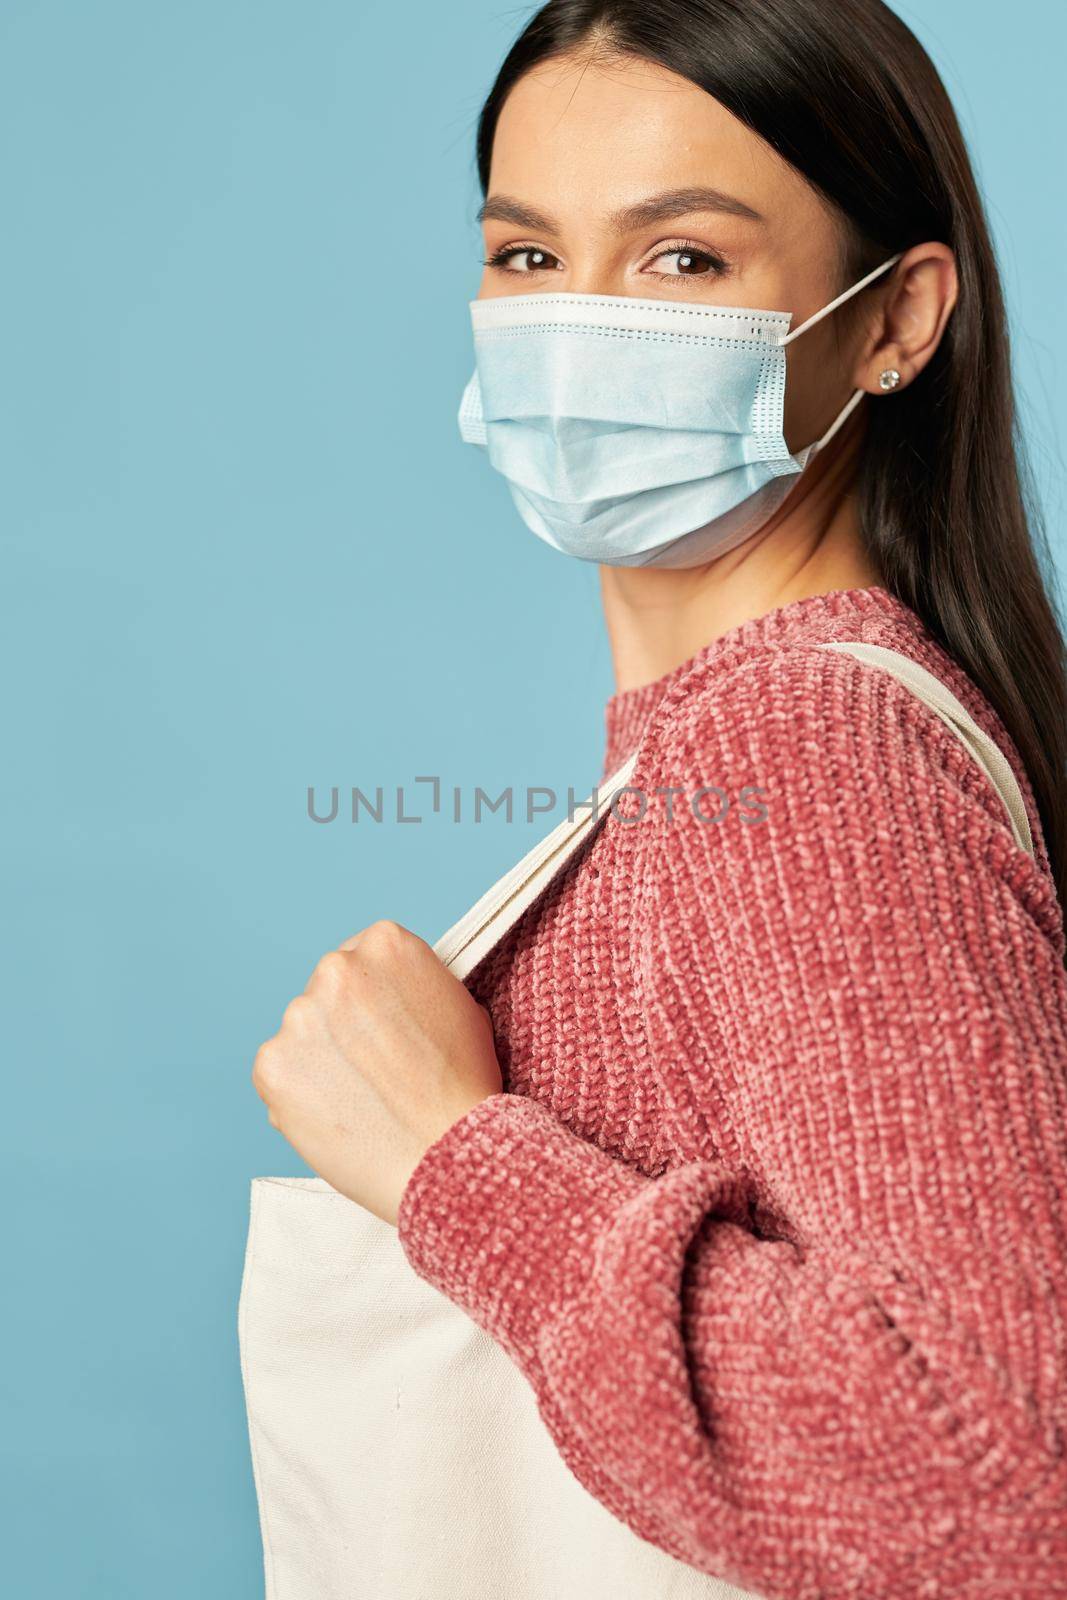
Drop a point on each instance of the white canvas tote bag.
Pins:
(397, 1451)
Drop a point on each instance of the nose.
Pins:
(594, 279)
(593, 265)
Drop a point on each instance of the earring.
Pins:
(889, 378)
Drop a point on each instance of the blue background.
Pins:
(246, 552)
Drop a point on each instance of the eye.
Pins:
(692, 261)
(538, 260)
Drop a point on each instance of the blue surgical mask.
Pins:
(638, 432)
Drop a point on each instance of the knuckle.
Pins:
(263, 1066)
(331, 969)
(295, 1012)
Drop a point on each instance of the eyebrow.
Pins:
(657, 208)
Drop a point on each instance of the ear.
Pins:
(917, 302)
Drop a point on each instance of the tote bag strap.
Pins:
(986, 752)
(488, 920)
(464, 944)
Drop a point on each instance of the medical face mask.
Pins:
(638, 432)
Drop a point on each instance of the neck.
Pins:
(657, 618)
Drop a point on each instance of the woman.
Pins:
(747, 1142)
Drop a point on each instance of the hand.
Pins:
(382, 1052)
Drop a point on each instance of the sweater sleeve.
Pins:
(824, 1353)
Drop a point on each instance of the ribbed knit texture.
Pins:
(772, 1212)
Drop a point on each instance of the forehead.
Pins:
(589, 136)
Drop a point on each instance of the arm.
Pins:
(857, 1012)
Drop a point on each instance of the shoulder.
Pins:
(814, 762)
(801, 712)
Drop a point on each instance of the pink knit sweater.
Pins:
(771, 1215)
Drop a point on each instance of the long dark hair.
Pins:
(848, 96)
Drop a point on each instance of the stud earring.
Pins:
(889, 378)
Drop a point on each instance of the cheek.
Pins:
(496, 281)
(818, 383)
(801, 400)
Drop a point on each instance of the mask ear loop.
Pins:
(817, 316)
(855, 289)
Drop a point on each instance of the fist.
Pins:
(382, 1052)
